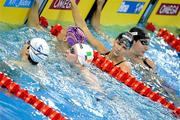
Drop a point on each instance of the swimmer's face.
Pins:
(119, 48)
(71, 56)
(140, 47)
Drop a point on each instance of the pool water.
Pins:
(64, 88)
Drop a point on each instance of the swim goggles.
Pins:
(35, 51)
(144, 41)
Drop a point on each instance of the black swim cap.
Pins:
(138, 33)
(125, 38)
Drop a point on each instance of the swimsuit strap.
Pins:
(107, 53)
(145, 62)
(119, 62)
(116, 63)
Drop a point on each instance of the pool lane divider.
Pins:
(167, 36)
(108, 66)
(15, 89)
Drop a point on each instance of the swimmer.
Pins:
(33, 52)
(118, 51)
(140, 42)
(80, 56)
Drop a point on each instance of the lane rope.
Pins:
(108, 66)
(15, 89)
(167, 36)
(105, 65)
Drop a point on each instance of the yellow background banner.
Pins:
(110, 15)
(58, 15)
(12, 15)
(165, 20)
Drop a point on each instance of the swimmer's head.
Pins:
(75, 35)
(81, 53)
(38, 50)
(126, 39)
(140, 41)
(138, 34)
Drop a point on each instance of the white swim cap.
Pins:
(84, 52)
(38, 50)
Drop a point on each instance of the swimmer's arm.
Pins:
(95, 22)
(82, 24)
(33, 17)
(91, 79)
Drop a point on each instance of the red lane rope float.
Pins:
(150, 27)
(15, 89)
(107, 66)
(169, 38)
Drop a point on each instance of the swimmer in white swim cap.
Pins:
(35, 51)
(80, 53)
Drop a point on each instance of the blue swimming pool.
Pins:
(65, 89)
